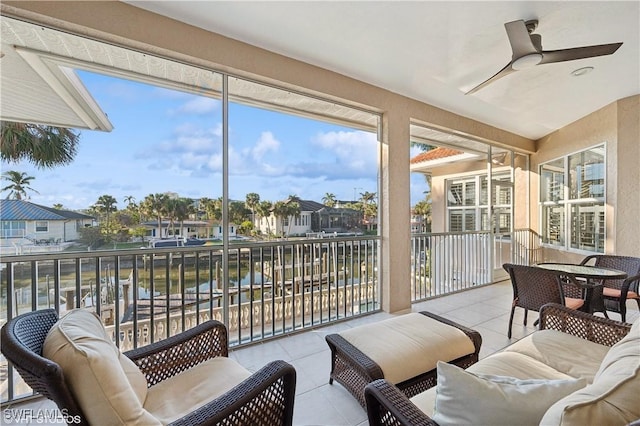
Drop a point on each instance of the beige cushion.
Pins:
(514, 364)
(179, 395)
(614, 396)
(566, 353)
(466, 398)
(109, 388)
(409, 345)
(510, 364)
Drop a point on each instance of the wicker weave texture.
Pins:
(628, 264)
(265, 398)
(354, 370)
(582, 324)
(533, 287)
(389, 406)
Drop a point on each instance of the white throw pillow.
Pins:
(467, 398)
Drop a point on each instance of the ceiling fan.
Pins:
(527, 51)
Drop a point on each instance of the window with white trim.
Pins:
(42, 226)
(572, 200)
(468, 206)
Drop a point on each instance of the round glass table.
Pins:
(591, 284)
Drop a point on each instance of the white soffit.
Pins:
(39, 84)
(36, 88)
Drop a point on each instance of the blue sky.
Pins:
(165, 140)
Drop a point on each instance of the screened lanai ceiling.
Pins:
(38, 83)
(436, 51)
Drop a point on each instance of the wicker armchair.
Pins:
(265, 398)
(388, 406)
(616, 292)
(534, 287)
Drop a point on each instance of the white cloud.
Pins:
(355, 152)
(266, 143)
(198, 105)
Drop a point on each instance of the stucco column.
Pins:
(395, 213)
(626, 175)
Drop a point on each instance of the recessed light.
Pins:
(581, 71)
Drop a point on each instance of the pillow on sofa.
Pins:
(467, 398)
(613, 396)
(108, 386)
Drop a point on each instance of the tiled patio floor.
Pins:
(485, 309)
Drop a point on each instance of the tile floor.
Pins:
(485, 309)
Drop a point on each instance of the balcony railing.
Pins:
(271, 288)
(444, 263)
(145, 295)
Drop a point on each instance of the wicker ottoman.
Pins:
(404, 350)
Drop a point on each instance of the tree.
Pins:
(181, 209)
(252, 200)
(19, 184)
(238, 212)
(58, 206)
(287, 209)
(130, 199)
(264, 210)
(329, 199)
(43, 146)
(367, 197)
(280, 211)
(105, 205)
(153, 205)
(423, 208)
(368, 205)
(92, 236)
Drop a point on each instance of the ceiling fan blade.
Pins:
(578, 53)
(503, 72)
(521, 44)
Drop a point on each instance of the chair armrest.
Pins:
(582, 324)
(265, 398)
(168, 357)
(630, 284)
(388, 406)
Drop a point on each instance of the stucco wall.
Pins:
(616, 125)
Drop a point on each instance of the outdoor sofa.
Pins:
(577, 369)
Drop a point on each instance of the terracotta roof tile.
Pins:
(435, 154)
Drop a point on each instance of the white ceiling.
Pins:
(436, 51)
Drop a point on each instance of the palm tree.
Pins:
(183, 208)
(251, 201)
(130, 199)
(264, 209)
(20, 184)
(287, 209)
(44, 146)
(329, 199)
(423, 208)
(367, 197)
(292, 211)
(369, 208)
(280, 211)
(105, 205)
(153, 205)
(58, 206)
